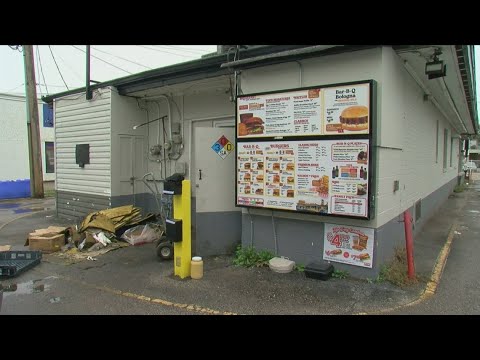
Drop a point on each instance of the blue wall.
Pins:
(12, 189)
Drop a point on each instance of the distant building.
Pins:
(14, 162)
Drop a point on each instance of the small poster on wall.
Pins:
(347, 244)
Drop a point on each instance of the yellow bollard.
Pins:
(183, 249)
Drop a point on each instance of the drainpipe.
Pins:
(407, 219)
(88, 91)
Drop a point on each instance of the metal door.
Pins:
(132, 165)
(218, 221)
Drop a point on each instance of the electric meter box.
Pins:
(174, 230)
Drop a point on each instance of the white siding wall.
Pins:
(125, 115)
(79, 121)
(14, 139)
(194, 107)
(409, 123)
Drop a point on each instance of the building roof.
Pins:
(218, 64)
(207, 66)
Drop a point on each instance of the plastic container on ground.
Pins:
(281, 265)
(196, 271)
(319, 270)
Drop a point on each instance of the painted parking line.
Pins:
(188, 307)
(432, 285)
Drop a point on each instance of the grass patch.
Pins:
(340, 274)
(459, 188)
(249, 256)
(49, 193)
(300, 267)
(395, 271)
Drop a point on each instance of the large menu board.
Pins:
(338, 110)
(306, 150)
(324, 177)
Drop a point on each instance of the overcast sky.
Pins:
(107, 62)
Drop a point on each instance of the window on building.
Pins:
(436, 141)
(47, 115)
(49, 157)
(445, 148)
(451, 151)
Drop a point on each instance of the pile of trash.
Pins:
(99, 232)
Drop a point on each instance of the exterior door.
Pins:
(132, 165)
(218, 221)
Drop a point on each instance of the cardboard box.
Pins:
(46, 244)
(89, 239)
(76, 237)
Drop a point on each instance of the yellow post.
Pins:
(183, 249)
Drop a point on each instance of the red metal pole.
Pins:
(409, 243)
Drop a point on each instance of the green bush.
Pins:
(248, 257)
(340, 274)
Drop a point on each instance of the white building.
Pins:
(177, 119)
(14, 162)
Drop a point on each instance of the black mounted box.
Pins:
(319, 270)
(173, 185)
(82, 154)
(174, 230)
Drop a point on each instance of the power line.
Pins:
(16, 47)
(164, 51)
(130, 61)
(58, 67)
(15, 88)
(62, 86)
(179, 48)
(41, 69)
(72, 70)
(96, 57)
(37, 72)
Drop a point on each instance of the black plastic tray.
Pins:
(14, 262)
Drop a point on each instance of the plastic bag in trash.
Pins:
(141, 234)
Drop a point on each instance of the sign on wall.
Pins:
(306, 150)
(223, 147)
(347, 244)
(311, 112)
(323, 177)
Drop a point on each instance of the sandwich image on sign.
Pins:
(354, 118)
(364, 257)
(250, 126)
(335, 252)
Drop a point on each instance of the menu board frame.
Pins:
(350, 136)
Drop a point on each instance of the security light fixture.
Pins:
(435, 68)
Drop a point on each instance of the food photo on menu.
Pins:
(354, 118)
(250, 125)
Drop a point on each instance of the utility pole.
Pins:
(34, 149)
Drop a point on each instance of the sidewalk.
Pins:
(133, 280)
